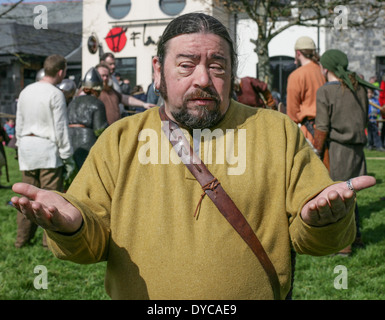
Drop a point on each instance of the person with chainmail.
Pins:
(86, 116)
(40, 75)
(68, 87)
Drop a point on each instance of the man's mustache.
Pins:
(203, 94)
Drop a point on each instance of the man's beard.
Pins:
(107, 85)
(206, 118)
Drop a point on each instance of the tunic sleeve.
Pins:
(307, 239)
(322, 120)
(60, 120)
(95, 180)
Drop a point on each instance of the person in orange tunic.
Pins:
(302, 87)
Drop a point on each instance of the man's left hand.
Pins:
(334, 202)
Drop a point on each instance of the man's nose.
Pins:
(202, 77)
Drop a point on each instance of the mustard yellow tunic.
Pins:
(138, 205)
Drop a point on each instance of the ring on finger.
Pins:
(350, 185)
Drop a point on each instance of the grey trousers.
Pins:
(48, 179)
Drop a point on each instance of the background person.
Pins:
(302, 87)
(42, 137)
(254, 93)
(113, 99)
(374, 140)
(4, 140)
(342, 116)
(109, 60)
(68, 87)
(9, 127)
(86, 117)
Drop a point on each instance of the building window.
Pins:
(281, 67)
(380, 67)
(127, 69)
(118, 9)
(172, 7)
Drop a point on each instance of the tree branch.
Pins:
(11, 8)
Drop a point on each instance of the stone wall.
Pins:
(362, 47)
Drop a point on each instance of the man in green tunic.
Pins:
(342, 116)
(133, 202)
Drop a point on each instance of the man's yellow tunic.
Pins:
(138, 208)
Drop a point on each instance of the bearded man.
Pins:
(134, 205)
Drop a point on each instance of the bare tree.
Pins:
(274, 17)
(11, 7)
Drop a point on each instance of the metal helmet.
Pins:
(93, 80)
(68, 87)
(40, 74)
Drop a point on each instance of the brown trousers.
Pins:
(48, 179)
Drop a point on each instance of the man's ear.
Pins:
(60, 74)
(157, 71)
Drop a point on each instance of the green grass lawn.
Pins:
(66, 280)
(314, 277)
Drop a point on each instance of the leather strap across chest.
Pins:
(213, 189)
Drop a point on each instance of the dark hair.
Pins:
(53, 64)
(106, 55)
(196, 23)
(310, 54)
(353, 79)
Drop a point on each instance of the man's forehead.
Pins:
(210, 55)
(103, 70)
(109, 60)
(190, 44)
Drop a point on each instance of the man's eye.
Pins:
(218, 69)
(186, 65)
(186, 68)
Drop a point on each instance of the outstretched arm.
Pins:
(47, 209)
(128, 100)
(334, 202)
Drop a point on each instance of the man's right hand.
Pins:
(47, 209)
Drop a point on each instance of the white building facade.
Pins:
(136, 26)
(280, 46)
(130, 30)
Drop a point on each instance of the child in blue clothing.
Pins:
(9, 127)
(374, 140)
